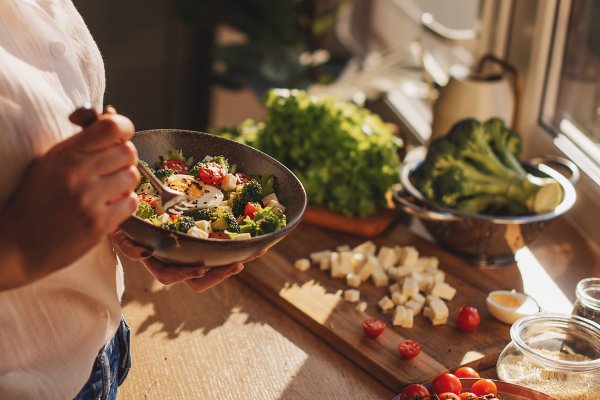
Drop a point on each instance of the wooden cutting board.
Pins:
(316, 301)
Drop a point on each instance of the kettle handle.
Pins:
(516, 78)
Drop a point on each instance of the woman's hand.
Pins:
(197, 277)
(69, 200)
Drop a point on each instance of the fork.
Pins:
(172, 201)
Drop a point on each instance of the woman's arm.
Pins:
(68, 201)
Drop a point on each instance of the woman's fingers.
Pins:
(110, 129)
(169, 275)
(114, 158)
(112, 187)
(214, 276)
(119, 210)
(128, 247)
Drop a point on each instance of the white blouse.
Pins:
(50, 330)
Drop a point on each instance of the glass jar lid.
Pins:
(560, 342)
(588, 292)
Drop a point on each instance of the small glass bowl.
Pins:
(558, 355)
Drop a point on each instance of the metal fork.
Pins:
(172, 201)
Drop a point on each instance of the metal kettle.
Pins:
(480, 96)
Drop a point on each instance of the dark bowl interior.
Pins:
(183, 249)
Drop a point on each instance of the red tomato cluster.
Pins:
(448, 386)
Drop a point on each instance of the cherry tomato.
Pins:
(251, 209)
(466, 372)
(212, 173)
(177, 166)
(174, 217)
(467, 319)
(148, 198)
(446, 383)
(409, 348)
(373, 327)
(242, 177)
(414, 392)
(448, 396)
(218, 235)
(483, 387)
(467, 396)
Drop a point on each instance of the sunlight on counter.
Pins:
(539, 285)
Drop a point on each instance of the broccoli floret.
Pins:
(505, 143)
(145, 210)
(251, 193)
(224, 220)
(202, 214)
(222, 161)
(268, 220)
(267, 183)
(248, 226)
(464, 171)
(185, 223)
(181, 224)
(164, 173)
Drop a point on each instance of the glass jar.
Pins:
(588, 299)
(558, 355)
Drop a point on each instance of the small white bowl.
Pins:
(509, 305)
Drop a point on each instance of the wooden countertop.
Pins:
(230, 343)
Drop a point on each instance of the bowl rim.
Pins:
(289, 224)
(568, 200)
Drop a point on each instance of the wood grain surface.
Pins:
(231, 343)
(228, 343)
(315, 300)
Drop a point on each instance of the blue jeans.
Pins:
(110, 368)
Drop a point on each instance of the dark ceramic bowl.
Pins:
(183, 249)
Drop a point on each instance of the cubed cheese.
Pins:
(346, 264)
(358, 259)
(325, 264)
(352, 295)
(275, 205)
(268, 198)
(438, 276)
(428, 262)
(334, 261)
(229, 183)
(362, 306)
(408, 256)
(439, 308)
(368, 267)
(386, 257)
(424, 280)
(164, 218)
(353, 280)
(429, 313)
(245, 236)
(399, 298)
(342, 247)
(395, 287)
(406, 270)
(302, 264)
(367, 248)
(398, 319)
(204, 225)
(379, 277)
(317, 256)
(386, 303)
(410, 287)
(443, 291)
(414, 305)
(197, 233)
(419, 297)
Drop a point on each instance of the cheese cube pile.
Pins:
(416, 284)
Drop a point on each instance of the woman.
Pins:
(64, 191)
